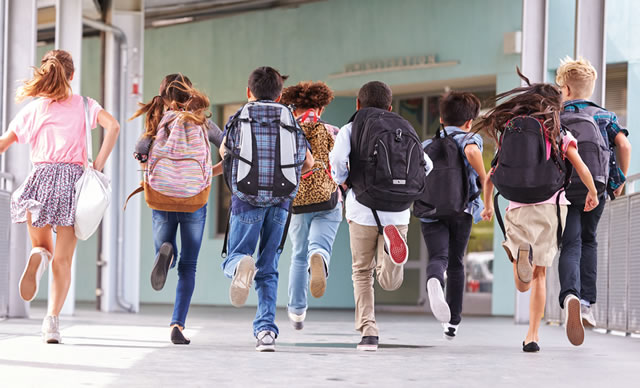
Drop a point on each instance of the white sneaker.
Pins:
(573, 320)
(297, 320)
(39, 259)
(586, 312)
(51, 330)
(241, 282)
(439, 306)
(450, 331)
(266, 341)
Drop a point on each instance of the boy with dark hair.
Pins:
(262, 167)
(378, 237)
(577, 265)
(447, 236)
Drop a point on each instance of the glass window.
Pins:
(412, 109)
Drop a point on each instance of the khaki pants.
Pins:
(366, 245)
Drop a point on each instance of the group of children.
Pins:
(291, 173)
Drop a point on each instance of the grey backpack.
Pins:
(592, 147)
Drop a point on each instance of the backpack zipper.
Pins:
(386, 157)
(409, 159)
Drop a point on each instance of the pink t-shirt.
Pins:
(567, 141)
(55, 130)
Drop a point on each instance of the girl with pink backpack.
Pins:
(176, 157)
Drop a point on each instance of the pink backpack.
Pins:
(178, 174)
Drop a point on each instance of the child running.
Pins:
(176, 158)
(529, 171)
(54, 126)
(380, 156)
(578, 262)
(317, 208)
(264, 152)
(446, 230)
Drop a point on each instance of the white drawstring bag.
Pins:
(93, 191)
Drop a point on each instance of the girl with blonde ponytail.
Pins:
(54, 125)
(181, 108)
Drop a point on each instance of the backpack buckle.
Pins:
(398, 134)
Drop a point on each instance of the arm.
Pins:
(474, 156)
(339, 155)
(308, 162)
(487, 191)
(217, 169)
(585, 176)
(222, 148)
(6, 140)
(214, 133)
(623, 155)
(112, 129)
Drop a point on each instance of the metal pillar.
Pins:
(20, 34)
(121, 231)
(590, 41)
(69, 38)
(534, 65)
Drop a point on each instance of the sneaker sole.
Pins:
(52, 339)
(318, 282)
(367, 348)
(524, 267)
(297, 325)
(29, 281)
(575, 330)
(439, 306)
(266, 348)
(161, 266)
(448, 337)
(398, 250)
(241, 282)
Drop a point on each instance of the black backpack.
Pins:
(386, 161)
(521, 171)
(447, 192)
(592, 147)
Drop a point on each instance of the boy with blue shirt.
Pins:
(577, 265)
(447, 238)
(249, 223)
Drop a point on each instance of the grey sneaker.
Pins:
(573, 320)
(241, 282)
(51, 330)
(437, 302)
(368, 343)
(297, 321)
(588, 320)
(266, 341)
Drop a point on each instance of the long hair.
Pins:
(541, 101)
(51, 79)
(178, 94)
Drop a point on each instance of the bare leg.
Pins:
(536, 302)
(40, 237)
(61, 268)
(521, 286)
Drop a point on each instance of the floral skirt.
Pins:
(48, 194)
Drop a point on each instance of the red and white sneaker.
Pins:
(395, 245)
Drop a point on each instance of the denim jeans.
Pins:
(165, 229)
(266, 224)
(578, 262)
(310, 233)
(446, 242)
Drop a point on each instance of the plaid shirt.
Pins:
(610, 128)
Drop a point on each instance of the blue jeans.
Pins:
(266, 224)
(165, 229)
(578, 262)
(310, 233)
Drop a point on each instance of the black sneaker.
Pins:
(164, 258)
(368, 343)
(266, 341)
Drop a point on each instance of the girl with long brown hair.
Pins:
(530, 237)
(179, 161)
(54, 125)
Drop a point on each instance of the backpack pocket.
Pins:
(180, 178)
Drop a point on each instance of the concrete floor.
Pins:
(122, 350)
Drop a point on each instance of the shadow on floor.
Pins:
(348, 345)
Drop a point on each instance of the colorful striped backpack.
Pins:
(178, 174)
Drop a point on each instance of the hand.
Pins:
(487, 213)
(618, 192)
(591, 201)
(98, 166)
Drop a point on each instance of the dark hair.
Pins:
(542, 101)
(265, 83)
(456, 108)
(307, 95)
(176, 93)
(375, 94)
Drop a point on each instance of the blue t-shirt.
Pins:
(476, 206)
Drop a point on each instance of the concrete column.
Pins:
(590, 40)
(20, 35)
(69, 38)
